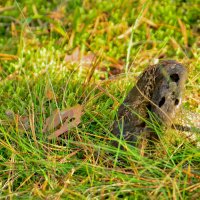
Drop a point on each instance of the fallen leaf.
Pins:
(77, 58)
(68, 118)
(74, 57)
(95, 62)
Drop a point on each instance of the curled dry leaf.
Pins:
(89, 59)
(68, 118)
(77, 58)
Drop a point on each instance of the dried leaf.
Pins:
(95, 62)
(76, 58)
(88, 58)
(68, 119)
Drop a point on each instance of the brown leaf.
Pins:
(68, 118)
(74, 57)
(77, 58)
(88, 58)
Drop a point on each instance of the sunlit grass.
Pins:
(83, 163)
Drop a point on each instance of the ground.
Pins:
(60, 54)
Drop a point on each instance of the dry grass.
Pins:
(119, 40)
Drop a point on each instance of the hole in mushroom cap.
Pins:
(162, 101)
(176, 102)
(174, 77)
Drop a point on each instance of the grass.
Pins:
(125, 36)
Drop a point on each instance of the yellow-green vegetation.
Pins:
(57, 54)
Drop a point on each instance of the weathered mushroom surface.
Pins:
(159, 89)
(132, 112)
(168, 91)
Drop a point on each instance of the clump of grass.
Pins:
(83, 163)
